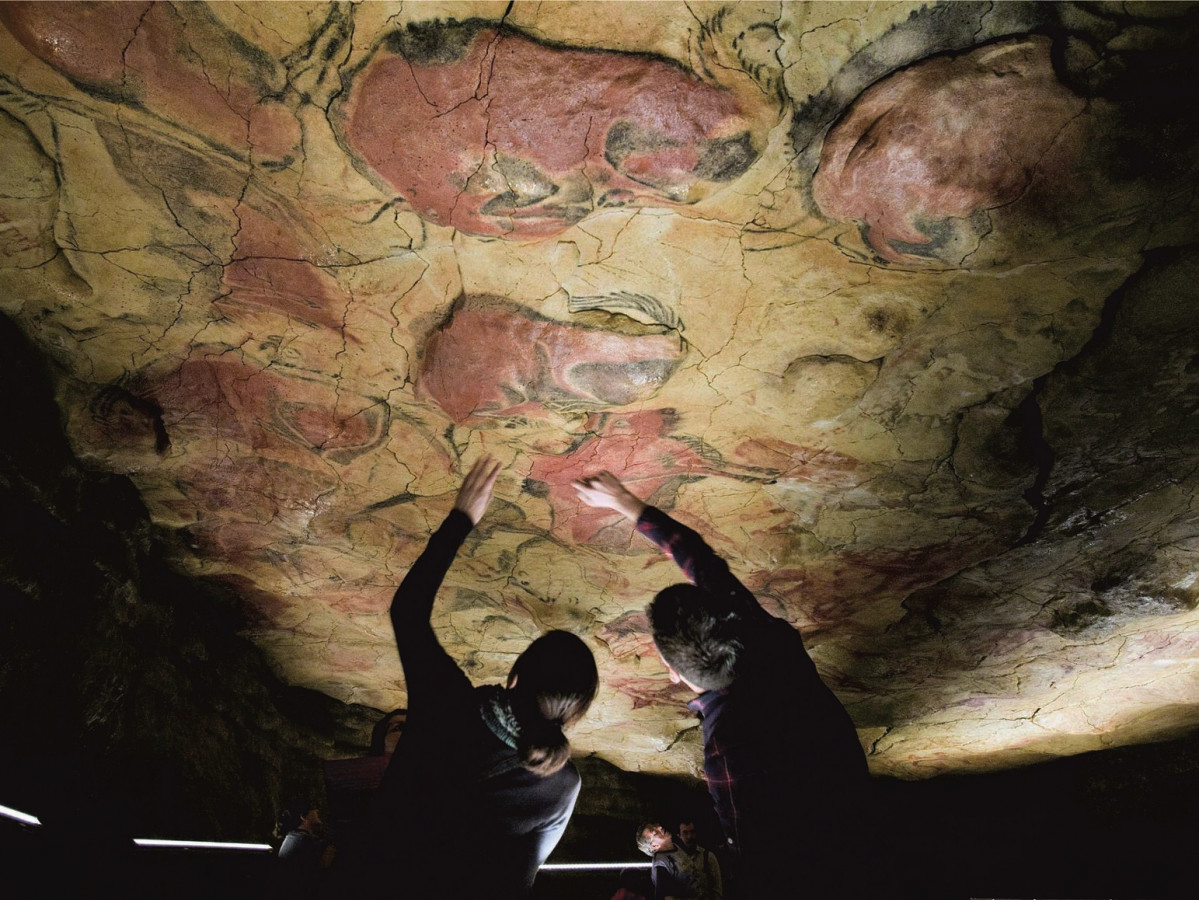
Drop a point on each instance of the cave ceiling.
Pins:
(896, 302)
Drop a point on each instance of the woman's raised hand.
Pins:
(475, 494)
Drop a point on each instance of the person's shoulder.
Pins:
(776, 655)
(569, 774)
(565, 784)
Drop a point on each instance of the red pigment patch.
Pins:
(665, 166)
(781, 459)
(340, 658)
(216, 396)
(85, 42)
(785, 593)
(145, 51)
(497, 359)
(123, 422)
(239, 544)
(518, 139)
(943, 139)
(651, 691)
(222, 396)
(284, 287)
(336, 436)
(254, 489)
(637, 448)
(271, 272)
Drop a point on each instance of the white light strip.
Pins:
(24, 818)
(199, 845)
(27, 819)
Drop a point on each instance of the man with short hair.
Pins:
(697, 864)
(679, 873)
(781, 756)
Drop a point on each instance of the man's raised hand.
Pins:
(605, 491)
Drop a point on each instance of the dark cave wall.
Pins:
(124, 686)
(1114, 823)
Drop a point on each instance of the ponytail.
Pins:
(555, 682)
(542, 746)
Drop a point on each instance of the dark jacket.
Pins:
(456, 816)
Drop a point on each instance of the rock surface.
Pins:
(897, 303)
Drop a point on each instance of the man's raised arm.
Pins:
(685, 546)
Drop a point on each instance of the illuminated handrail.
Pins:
(162, 843)
(166, 844)
(23, 818)
(552, 867)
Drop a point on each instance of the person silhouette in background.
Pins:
(698, 864)
(481, 787)
(304, 851)
(782, 759)
(350, 784)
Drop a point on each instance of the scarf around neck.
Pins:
(495, 706)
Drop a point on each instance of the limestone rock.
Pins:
(895, 303)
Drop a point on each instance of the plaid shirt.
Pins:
(722, 769)
(698, 561)
(780, 752)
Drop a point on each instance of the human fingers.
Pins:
(603, 480)
(589, 490)
(479, 469)
(475, 494)
(490, 473)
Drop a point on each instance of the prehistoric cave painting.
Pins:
(644, 692)
(363, 597)
(493, 133)
(789, 593)
(264, 609)
(495, 358)
(336, 436)
(858, 577)
(778, 459)
(257, 490)
(272, 273)
(130, 425)
(922, 156)
(309, 390)
(628, 635)
(640, 447)
(220, 396)
(180, 66)
(28, 198)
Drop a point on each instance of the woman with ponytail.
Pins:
(481, 787)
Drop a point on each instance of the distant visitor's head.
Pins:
(696, 635)
(686, 833)
(653, 838)
(552, 683)
(301, 813)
